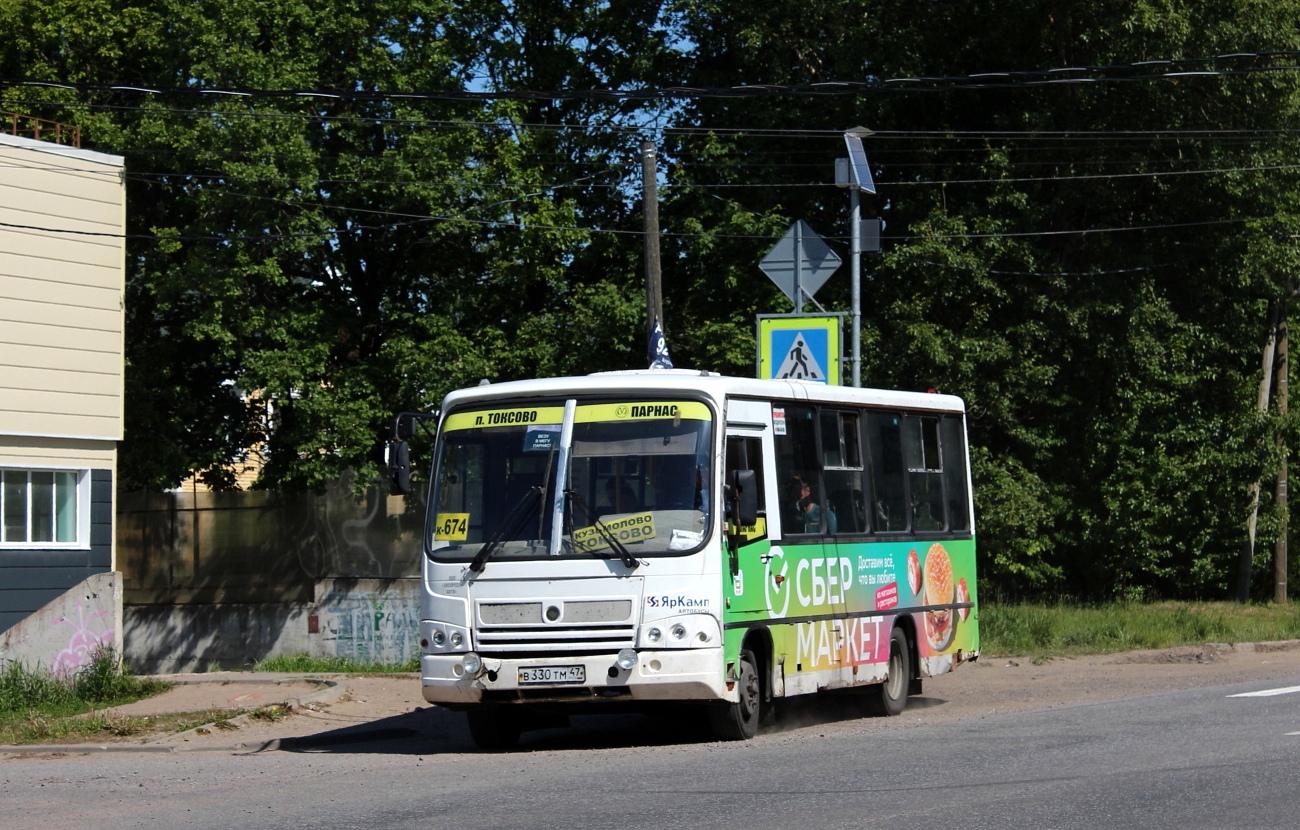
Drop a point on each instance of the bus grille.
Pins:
(555, 626)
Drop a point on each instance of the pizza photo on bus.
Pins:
(940, 623)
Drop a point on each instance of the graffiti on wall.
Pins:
(91, 632)
(371, 627)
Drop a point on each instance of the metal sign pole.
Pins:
(855, 277)
(859, 179)
(798, 269)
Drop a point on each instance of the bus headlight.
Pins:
(686, 631)
(437, 637)
(472, 663)
(626, 659)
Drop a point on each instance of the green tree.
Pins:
(1085, 255)
(1109, 372)
(302, 267)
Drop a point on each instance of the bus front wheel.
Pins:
(493, 728)
(739, 721)
(890, 698)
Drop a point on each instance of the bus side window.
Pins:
(885, 447)
(843, 471)
(798, 467)
(746, 454)
(924, 472)
(954, 472)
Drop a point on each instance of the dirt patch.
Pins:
(1205, 654)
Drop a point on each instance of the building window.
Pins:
(42, 507)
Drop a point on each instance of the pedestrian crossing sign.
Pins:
(800, 347)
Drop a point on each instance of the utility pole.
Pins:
(654, 301)
(1247, 559)
(1280, 546)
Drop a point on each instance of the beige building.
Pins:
(62, 284)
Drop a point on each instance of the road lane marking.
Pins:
(1289, 690)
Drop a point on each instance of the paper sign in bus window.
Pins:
(628, 530)
(451, 527)
(542, 438)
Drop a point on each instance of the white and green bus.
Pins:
(647, 537)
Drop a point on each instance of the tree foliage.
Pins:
(1087, 264)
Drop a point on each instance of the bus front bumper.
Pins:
(664, 675)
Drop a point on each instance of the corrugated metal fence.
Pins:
(259, 546)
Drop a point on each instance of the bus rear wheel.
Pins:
(493, 728)
(890, 698)
(739, 721)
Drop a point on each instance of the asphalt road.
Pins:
(1195, 758)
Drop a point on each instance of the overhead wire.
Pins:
(1235, 64)
(1059, 138)
(523, 225)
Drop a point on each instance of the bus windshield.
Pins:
(622, 479)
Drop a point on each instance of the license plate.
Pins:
(529, 675)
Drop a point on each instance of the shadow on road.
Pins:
(434, 730)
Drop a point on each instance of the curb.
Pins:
(329, 692)
(1260, 648)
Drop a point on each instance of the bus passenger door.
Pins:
(747, 549)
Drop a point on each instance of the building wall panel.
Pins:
(62, 284)
(64, 454)
(61, 293)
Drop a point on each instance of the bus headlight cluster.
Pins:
(439, 637)
(690, 631)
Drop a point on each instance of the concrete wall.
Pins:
(369, 620)
(64, 635)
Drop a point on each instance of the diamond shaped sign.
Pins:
(800, 262)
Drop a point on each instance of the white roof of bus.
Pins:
(668, 381)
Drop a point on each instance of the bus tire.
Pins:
(492, 728)
(890, 698)
(739, 721)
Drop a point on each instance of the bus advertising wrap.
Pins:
(831, 606)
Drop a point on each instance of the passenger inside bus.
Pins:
(803, 510)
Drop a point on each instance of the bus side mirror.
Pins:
(399, 468)
(403, 427)
(744, 497)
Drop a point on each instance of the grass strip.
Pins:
(1073, 630)
(306, 664)
(52, 726)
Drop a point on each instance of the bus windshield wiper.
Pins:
(605, 533)
(513, 522)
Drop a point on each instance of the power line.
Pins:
(524, 225)
(883, 135)
(1227, 65)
